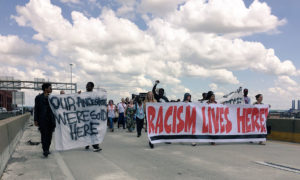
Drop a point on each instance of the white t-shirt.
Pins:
(121, 107)
(111, 111)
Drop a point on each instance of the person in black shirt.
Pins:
(160, 97)
(44, 118)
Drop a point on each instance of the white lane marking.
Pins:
(61, 163)
(281, 167)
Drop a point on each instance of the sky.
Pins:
(125, 45)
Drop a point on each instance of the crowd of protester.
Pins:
(127, 114)
(131, 113)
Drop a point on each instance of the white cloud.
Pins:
(115, 53)
(12, 45)
(158, 7)
(225, 17)
(213, 86)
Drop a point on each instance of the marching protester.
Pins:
(130, 112)
(44, 117)
(89, 88)
(111, 109)
(127, 101)
(204, 98)
(149, 99)
(188, 98)
(160, 97)
(121, 110)
(247, 100)
(211, 100)
(140, 115)
(259, 99)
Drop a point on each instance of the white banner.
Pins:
(196, 122)
(234, 97)
(80, 119)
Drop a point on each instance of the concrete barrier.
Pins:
(11, 130)
(284, 129)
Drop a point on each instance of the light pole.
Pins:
(71, 76)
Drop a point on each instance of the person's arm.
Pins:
(36, 110)
(154, 91)
(166, 99)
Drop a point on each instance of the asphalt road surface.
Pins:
(124, 156)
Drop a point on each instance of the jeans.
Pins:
(139, 125)
(121, 120)
(111, 123)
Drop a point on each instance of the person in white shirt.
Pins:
(121, 110)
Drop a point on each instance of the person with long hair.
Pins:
(140, 116)
(130, 116)
(211, 100)
(149, 99)
(111, 110)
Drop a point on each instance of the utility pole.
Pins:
(71, 76)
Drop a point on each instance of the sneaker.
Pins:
(212, 143)
(193, 144)
(97, 150)
(87, 147)
(151, 145)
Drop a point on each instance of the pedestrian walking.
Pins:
(259, 101)
(130, 113)
(211, 100)
(121, 110)
(140, 115)
(44, 117)
(89, 88)
(111, 109)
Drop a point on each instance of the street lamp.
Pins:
(71, 75)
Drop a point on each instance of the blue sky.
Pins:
(124, 46)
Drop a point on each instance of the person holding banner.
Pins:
(259, 99)
(111, 109)
(89, 88)
(204, 98)
(44, 118)
(211, 100)
(188, 98)
(160, 97)
(149, 99)
(246, 98)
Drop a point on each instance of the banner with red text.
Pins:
(196, 122)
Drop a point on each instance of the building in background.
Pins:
(293, 105)
(6, 99)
